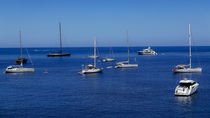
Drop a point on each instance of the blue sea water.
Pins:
(56, 89)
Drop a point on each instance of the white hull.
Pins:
(188, 70)
(89, 71)
(20, 70)
(186, 91)
(92, 57)
(108, 60)
(126, 66)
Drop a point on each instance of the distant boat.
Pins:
(109, 59)
(18, 68)
(126, 64)
(147, 51)
(187, 68)
(92, 68)
(60, 53)
(20, 59)
(186, 87)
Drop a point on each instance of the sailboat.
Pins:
(60, 53)
(92, 68)
(18, 68)
(126, 64)
(109, 59)
(187, 68)
(20, 59)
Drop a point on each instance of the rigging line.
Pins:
(29, 56)
(196, 52)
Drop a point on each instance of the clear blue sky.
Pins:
(154, 22)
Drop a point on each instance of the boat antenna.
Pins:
(190, 55)
(128, 47)
(20, 44)
(60, 37)
(94, 51)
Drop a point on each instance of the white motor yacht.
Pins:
(187, 68)
(186, 87)
(147, 51)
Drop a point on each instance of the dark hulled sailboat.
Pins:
(20, 59)
(60, 53)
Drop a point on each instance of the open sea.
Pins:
(56, 90)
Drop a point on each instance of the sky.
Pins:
(148, 22)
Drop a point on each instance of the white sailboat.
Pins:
(18, 68)
(187, 68)
(126, 64)
(92, 68)
(109, 59)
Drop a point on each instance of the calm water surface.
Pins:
(57, 90)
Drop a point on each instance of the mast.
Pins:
(190, 55)
(20, 45)
(60, 37)
(94, 51)
(128, 48)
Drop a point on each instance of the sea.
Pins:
(56, 90)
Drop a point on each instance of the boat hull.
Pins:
(20, 70)
(143, 53)
(90, 71)
(58, 55)
(108, 60)
(126, 66)
(186, 91)
(187, 70)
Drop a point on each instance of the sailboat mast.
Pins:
(190, 45)
(20, 45)
(128, 48)
(60, 37)
(95, 51)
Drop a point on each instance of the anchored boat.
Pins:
(187, 68)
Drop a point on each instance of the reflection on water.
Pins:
(185, 100)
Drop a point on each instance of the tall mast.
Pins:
(20, 44)
(60, 37)
(190, 45)
(94, 51)
(128, 48)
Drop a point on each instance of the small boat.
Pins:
(147, 51)
(92, 57)
(187, 68)
(186, 87)
(111, 57)
(60, 53)
(20, 59)
(92, 68)
(18, 69)
(126, 64)
(108, 59)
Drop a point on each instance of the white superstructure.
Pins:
(186, 87)
(147, 51)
